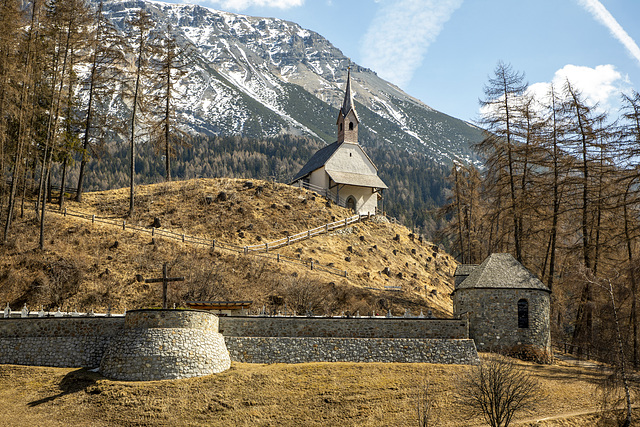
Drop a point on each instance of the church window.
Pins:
(340, 127)
(523, 313)
(350, 125)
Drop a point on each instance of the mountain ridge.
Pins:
(252, 75)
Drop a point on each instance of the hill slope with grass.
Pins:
(88, 265)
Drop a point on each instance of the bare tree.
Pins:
(25, 111)
(106, 61)
(503, 96)
(141, 26)
(620, 371)
(497, 389)
(170, 65)
(427, 414)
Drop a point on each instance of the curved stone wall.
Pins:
(166, 344)
(493, 318)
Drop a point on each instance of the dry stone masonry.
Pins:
(166, 344)
(508, 308)
(171, 344)
(391, 350)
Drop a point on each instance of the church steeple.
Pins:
(347, 116)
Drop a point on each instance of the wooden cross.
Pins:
(165, 281)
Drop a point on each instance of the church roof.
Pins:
(358, 179)
(348, 104)
(500, 271)
(317, 160)
(462, 272)
(354, 174)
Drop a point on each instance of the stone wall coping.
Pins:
(170, 310)
(395, 318)
(493, 288)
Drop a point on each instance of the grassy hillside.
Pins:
(312, 394)
(93, 266)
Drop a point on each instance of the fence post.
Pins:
(311, 264)
(308, 234)
(326, 228)
(65, 211)
(345, 273)
(246, 250)
(346, 222)
(153, 231)
(278, 257)
(93, 219)
(124, 224)
(182, 237)
(213, 245)
(266, 247)
(288, 240)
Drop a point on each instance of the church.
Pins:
(342, 171)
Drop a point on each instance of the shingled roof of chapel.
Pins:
(501, 271)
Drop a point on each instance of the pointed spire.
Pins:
(347, 116)
(347, 104)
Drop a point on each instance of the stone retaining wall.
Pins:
(59, 342)
(394, 350)
(343, 327)
(160, 344)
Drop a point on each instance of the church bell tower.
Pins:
(347, 117)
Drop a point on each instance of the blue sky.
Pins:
(443, 51)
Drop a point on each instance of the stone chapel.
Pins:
(342, 171)
(508, 308)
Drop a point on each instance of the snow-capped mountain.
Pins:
(264, 76)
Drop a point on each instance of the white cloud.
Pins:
(400, 34)
(602, 15)
(245, 4)
(601, 85)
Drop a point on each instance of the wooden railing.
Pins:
(261, 250)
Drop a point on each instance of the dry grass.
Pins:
(314, 394)
(89, 266)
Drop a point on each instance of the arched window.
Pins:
(340, 127)
(350, 125)
(523, 313)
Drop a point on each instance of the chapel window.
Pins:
(523, 313)
(350, 125)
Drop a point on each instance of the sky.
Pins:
(444, 51)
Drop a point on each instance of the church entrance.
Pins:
(351, 203)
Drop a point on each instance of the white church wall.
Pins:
(366, 199)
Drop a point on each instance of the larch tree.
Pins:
(630, 136)
(26, 84)
(11, 20)
(106, 61)
(170, 65)
(503, 93)
(67, 23)
(581, 137)
(140, 27)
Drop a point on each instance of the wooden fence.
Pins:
(261, 251)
